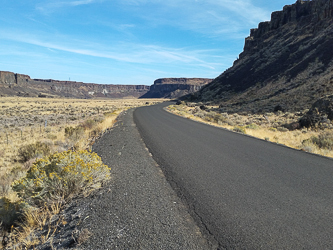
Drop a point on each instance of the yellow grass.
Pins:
(25, 120)
(293, 139)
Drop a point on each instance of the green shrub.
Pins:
(214, 117)
(61, 176)
(74, 133)
(282, 129)
(252, 126)
(38, 149)
(324, 141)
(239, 129)
(99, 119)
(88, 124)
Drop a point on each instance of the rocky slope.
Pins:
(175, 87)
(12, 84)
(287, 62)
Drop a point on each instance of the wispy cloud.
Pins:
(123, 52)
(212, 17)
(55, 5)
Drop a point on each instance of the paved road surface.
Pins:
(244, 192)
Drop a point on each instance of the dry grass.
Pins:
(28, 121)
(269, 126)
(23, 237)
(25, 121)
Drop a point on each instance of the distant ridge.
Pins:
(12, 84)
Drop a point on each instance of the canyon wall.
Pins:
(12, 84)
(287, 61)
(175, 87)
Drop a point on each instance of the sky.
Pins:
(126, 41)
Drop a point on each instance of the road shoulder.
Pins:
(137, 209)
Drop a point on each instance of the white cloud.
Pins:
(76, 3)
(122, 52)
(55, 5)
(209, 17)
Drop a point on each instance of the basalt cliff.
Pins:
(175, 87)
(12, 84)
(287, 62)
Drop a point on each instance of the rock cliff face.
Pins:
(12, 84)
(287, 61)
(175, 87)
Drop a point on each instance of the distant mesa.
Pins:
(12, 84)
(175, 87)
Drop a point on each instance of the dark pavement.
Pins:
(246, 193)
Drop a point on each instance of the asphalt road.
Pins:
(243, 192)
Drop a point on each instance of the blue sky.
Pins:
(126, 41)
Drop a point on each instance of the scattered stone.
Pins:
(278, 108)
(320, 113)
(203, 107)
(292, 126)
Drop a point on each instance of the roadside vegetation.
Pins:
(45, 161)
(275, 127)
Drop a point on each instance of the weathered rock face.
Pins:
(175, 87)
(287, 61)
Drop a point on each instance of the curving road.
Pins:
(243, 192)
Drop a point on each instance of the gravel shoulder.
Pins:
(137, 209)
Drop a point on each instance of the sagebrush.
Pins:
(60, 176)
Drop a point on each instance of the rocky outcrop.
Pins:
(175, 87)
(287, 61)
(320, 114)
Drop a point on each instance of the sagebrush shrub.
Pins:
(30, 151)
(74, 133)
(252, 126)
(239, 129)
(324, 141)
(99, 119)
(88, 124)
(61, 176)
